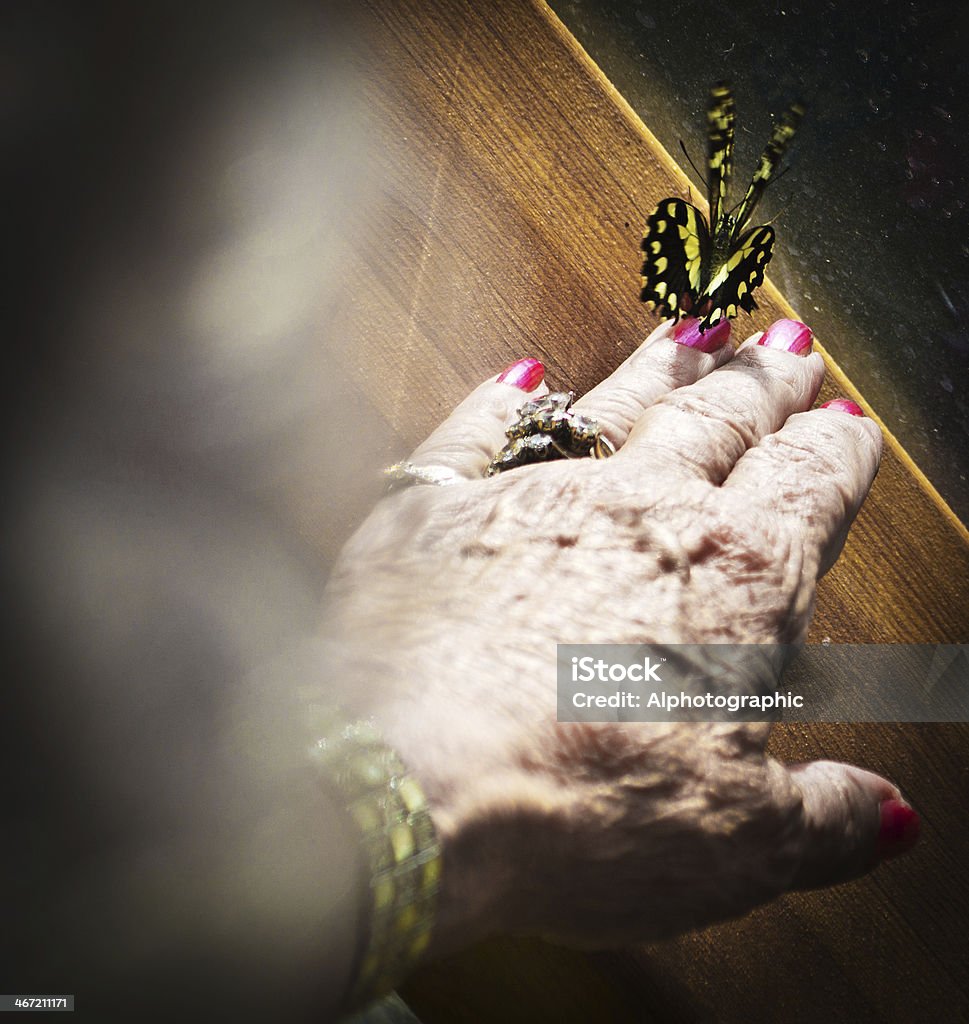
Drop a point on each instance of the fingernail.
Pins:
(790, 335)
(844, 405)
(687, 332)
(526, 374)
(899, 829)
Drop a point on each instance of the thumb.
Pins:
(853, 820)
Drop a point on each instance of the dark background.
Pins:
(872, 218)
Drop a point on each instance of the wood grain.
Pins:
(510, 186)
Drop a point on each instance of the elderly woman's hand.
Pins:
(725, 502)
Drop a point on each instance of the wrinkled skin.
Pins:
(725, 503)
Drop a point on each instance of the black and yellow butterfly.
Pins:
(690, 270)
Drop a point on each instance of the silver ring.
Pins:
(548, 429)
(404, 474)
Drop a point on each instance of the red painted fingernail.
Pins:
(844, 405)
(687, 332)
(899, 829)
(790, 335)
(526, 374)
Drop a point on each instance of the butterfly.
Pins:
(690, 270)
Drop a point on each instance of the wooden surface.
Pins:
(510, 185)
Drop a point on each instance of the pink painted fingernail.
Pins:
(790, 335)
(687, 332)
(526, 374)
(844, 405)
(899, 829)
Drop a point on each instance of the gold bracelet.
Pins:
(398, 840)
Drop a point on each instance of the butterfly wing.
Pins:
(720, 130)
(676, 244)
(732, 285)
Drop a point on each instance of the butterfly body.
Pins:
(692, 269)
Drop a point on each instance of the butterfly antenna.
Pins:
(696, 170)
(780, 213)
(781, 175)
(776, 177)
